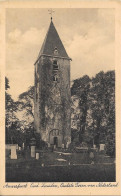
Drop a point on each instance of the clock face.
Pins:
(55, 93)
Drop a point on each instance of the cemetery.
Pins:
(61, 130)
(58, 164)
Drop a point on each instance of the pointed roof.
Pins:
(52, 41)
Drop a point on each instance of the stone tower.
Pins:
(52, 112)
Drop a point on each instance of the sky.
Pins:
(88, 36)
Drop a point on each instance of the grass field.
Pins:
(78, 173)
(75, 168)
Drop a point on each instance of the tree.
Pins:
(27, 101)
(80, 88)
(101, 103)
(26, 109)
(12, 122)
(95, 110)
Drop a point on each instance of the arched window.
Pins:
(55, 78)
(55, 62)
(55, 51)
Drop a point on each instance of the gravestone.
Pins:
(32, 151)
(62, 145)
(33, 144)
(23, 145)
(102, 147)
(13, 152)
(37, 155)
(67, 145)
(94, 146)
(48, 145)
(19, 148)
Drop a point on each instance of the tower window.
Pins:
(55, 62)
(36, 96)
(55, 65)
(56, 51)
(55, 78)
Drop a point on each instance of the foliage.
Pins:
(92, 113)
(80, 88)
(96, 102)
(26, 108)
(27, 101)
(12, 122)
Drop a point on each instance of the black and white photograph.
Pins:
(60, 95)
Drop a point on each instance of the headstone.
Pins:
(102, 147)
(23, 145)
(67, 144)
(33, 151)
(37, 155)
(19, 148)
(48, 145)
(62, 145)
(91, 155)
(94, 146)
(13, 152)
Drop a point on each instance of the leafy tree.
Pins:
(26, 109)
(80, 88)
(12, 122)
(101, 103)
(96, 102)
(27, 101)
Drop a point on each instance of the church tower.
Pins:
(52, 111)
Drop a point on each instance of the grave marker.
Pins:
(23, 145)
(62, 145)
(102, 147)
(37, 155)
(19, 148)
(13, 152)
(94, 146)
(32, 151)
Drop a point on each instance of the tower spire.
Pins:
(52, 41)
(51, 11)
